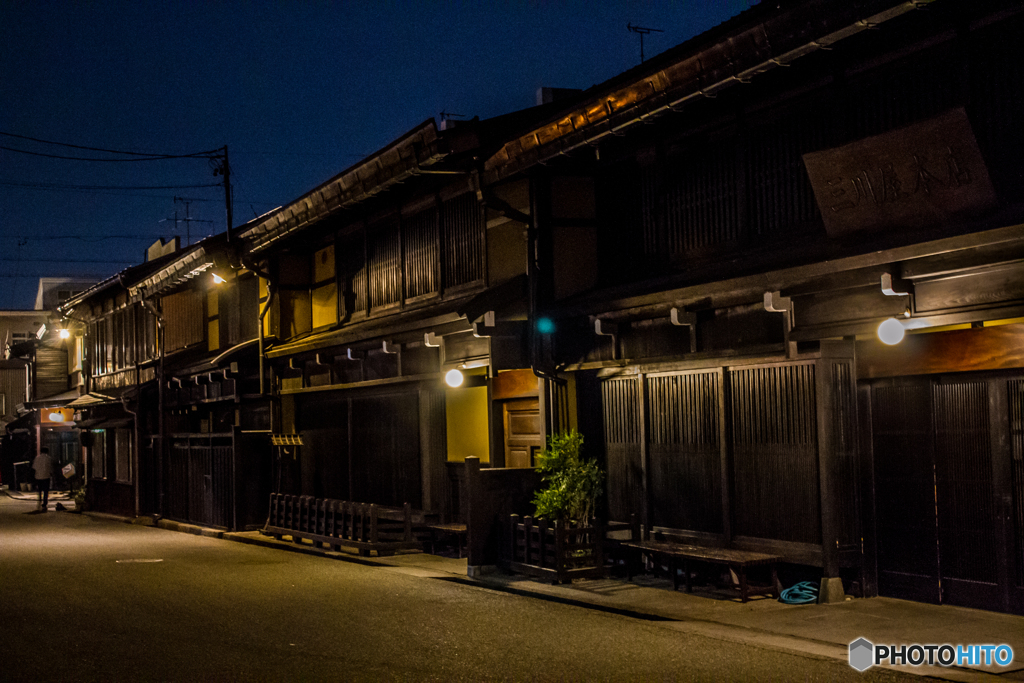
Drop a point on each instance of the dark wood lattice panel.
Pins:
(685, 451)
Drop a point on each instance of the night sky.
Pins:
(298, 91)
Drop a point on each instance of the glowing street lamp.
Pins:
(454, 378)
(891, 331)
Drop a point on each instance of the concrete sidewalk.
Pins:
(813, 630)
(33, 496)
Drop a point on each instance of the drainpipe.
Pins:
(136, 439)
(548, 376)
(251, 265)
(262, 352)
(248, 263)
(532, 274)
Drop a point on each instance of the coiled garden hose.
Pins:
(803, 593)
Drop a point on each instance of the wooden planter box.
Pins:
(556, 551)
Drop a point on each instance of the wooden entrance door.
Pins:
(945, 489)
(522, 432)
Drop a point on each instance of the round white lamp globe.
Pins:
(891, 331)
(453, 378)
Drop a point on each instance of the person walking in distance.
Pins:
(43, 467)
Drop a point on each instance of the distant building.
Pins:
(40, 372)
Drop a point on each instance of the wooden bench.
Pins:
(336, 523)
(736, 560)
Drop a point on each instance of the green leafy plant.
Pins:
(572, 485)
(76, 487)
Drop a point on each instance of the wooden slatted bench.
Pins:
(737, 560)
(336, 523)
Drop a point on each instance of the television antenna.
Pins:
(642, 31)
(187, 220)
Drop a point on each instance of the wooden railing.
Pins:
(557, 551)
(337, 523)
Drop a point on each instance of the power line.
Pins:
(61, 156)
(212, 152)
(112, 194)
(35, 275)
(84, 238)
(58, 260)
(55, 186)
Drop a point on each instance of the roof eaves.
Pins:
(183, 268)
(701, 70)
(402, 159)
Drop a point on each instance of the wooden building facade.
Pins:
(378, 284)
(114, 415)
(209, 443)
(719, 273)
(174, 418)
(688, 262)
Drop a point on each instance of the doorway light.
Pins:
(891, 331)
(454, 378)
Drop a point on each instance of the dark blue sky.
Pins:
(297, 90)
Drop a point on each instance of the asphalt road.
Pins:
(87, 599)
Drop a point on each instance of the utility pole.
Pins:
(642, 31)
(223, 167)
(227, 190)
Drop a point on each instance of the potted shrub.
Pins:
(76, 487)
(572, 484)
(564, 541)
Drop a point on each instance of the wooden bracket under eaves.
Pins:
(774, 302)
(680, 317)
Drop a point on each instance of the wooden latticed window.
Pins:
(183, 319)
(422, 265)
(690, 202)
(212, 319)
(384, 253)
(462, 230)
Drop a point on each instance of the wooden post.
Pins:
(321, 517)
(476, 526)
(528, 532)
(826, 387)
(514, 554)
(559, 550)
